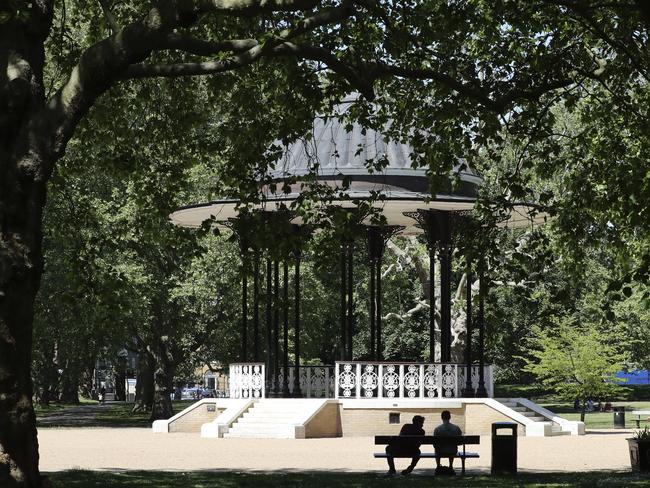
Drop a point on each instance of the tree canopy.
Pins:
(548, 97)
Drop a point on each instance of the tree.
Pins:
(577, 362)
(478, 65)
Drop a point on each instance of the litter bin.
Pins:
(619, 417)
(504, 448)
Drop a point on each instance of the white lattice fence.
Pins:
(358, 379)
(315, 381)
(246, 380)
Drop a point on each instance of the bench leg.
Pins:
(638, 424)
(462, 469)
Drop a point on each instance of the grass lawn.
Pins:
(599, 420)
(224, 479)
(120, 414)
(109, 415)
(57, 407)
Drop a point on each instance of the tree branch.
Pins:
(144, 70)
(254, 7)
(200, 47)
(110, 18)
(248, 57)
(473, 90)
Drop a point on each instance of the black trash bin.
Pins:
(619, 417)
(504, 447)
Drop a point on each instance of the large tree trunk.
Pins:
(163, 389)
(144, 388)
(120, 379)
(20, 272)
(70, 387)
(25, 167)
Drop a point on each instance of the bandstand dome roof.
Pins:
(333, 152)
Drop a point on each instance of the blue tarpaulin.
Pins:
(641, 377)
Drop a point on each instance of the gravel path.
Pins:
(133, 448)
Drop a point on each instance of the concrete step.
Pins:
(510, 404)
(258, 435)
(559, 432)
(286, 401)
(274, 415)
(276, 431)
(278, 428)
(260, 427)
(265, 420)
(538, 418)
(280, 408)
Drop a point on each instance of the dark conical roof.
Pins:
(338, 148)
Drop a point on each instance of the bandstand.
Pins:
(395, 201)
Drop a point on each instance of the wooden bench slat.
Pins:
(406, 441)
(431, 455)
(427, 439)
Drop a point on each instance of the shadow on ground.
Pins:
(94, 415)
(228, 479)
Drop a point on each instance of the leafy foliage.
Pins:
(576, 361)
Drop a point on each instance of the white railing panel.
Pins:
(246, 380)
(363, 379)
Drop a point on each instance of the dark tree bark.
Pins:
(163, 380)
(70, 388)
(22, 198)
(144, 388)
(120, 379)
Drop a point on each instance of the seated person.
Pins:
(446, 429)
(413, 451)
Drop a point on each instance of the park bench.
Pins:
(406, 442)
(638, 414)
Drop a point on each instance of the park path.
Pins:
(78, 416)
(134, 449)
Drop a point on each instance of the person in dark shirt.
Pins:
(414, 451)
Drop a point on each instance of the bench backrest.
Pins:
(408, 440)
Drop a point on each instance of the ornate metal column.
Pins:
(241, 229)
(380, 345)
(481, 392)
(285, 342)
(344, 313)
(427, 221)
(244, 303)
(468, 391)
(276, 325)
(373, 296)
(377, 238)
(269, 324)
(350, 298)
(296, 329)
(256, 305)
(443, 220)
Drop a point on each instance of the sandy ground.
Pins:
(132, 448)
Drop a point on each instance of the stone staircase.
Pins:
(274, 418)
(512, 403)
